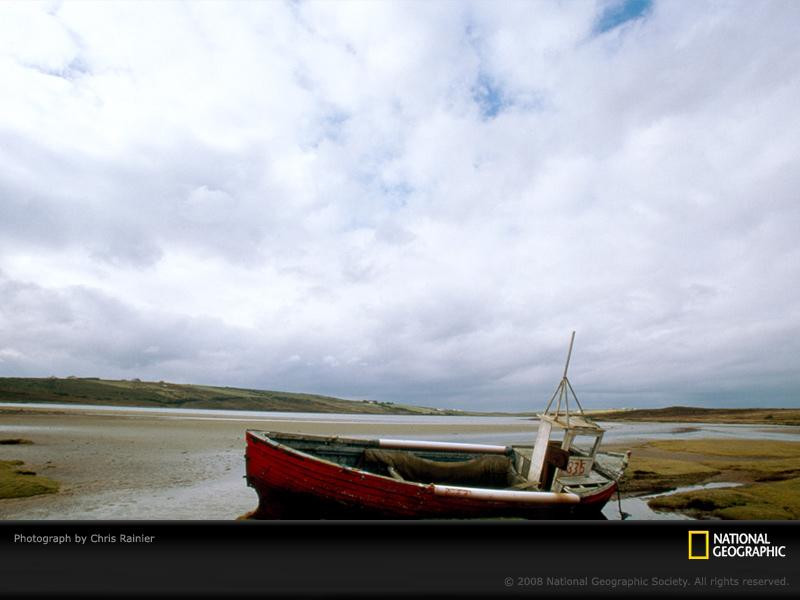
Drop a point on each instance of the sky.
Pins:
(413, 202)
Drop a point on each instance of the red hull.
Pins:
(294, 485)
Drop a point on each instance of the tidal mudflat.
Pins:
(154, 464)
(125, 463)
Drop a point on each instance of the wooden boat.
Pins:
(318, 477)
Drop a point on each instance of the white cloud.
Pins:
(405, 203)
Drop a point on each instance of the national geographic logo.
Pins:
(703, 546)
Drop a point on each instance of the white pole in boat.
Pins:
(443, 446)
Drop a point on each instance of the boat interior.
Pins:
(447, 467)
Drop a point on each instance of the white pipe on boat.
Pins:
(507, 495)
(442, 446)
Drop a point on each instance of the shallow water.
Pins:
(255, 415)
(636, 508)
(616, 431)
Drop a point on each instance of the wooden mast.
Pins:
(564, 389)
(569, 354)
(581, 425)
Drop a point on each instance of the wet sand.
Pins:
(126, 465)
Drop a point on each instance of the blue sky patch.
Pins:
(617, 13)
(488, 96)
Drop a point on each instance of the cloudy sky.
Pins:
(414, 202)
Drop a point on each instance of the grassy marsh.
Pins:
(18, 482)
(757, 501)
(770, 471)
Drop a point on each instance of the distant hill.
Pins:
(90, 390)
(694, 414)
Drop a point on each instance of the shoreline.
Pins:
(688, 416)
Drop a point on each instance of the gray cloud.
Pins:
(409, 205)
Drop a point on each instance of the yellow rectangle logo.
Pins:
(698, 534)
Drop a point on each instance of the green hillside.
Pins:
(694, 414)
(74, 390)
